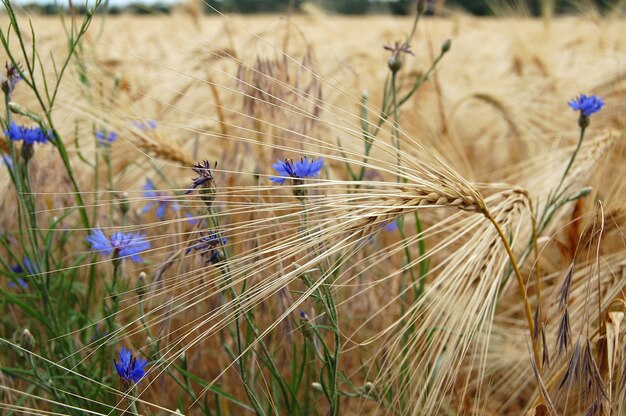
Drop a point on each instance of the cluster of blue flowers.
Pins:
(29, 135)
(302, 169)
(105, 139)
(130, 368)
(120, 244)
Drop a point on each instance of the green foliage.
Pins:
(349, 6)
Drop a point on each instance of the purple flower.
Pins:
(395, 61)
(149, 125)
(205, 177)
(304, 168)
(30, 269)
(106, 139)
(391, 226)
(586, 105)
(119, 244)
(29, 135)
(130, 368)
(159, 199)
(12, 77)
(21, 282)
(208, 246)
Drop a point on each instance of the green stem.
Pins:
(558, 193)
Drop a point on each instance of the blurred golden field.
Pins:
(484, 140)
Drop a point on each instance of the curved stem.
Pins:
(522, 288)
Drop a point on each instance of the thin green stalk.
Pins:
(285, 391)
(330, 389)
(421, 245)
(558, 193)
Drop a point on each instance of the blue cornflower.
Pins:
(304, 168)
(106, 139)
(30, 268)
(130, 368)
(149, 125)
(586, 105)
(21, 282)
(205, 178)
(159, 199)
(391, 226)
(29, 135)
(120, 244)
(208, 246)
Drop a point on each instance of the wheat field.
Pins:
(458, 251)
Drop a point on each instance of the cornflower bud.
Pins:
(28, 340)
(12, 77)
(445, 47)
(124, 202)
(141, 285)
(421, 6)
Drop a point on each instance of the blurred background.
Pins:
(349, 7)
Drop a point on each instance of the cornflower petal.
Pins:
(120, 244)
(130, 368)
(160, 212)
(302, 169)
(587, 105)
(29, 135)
